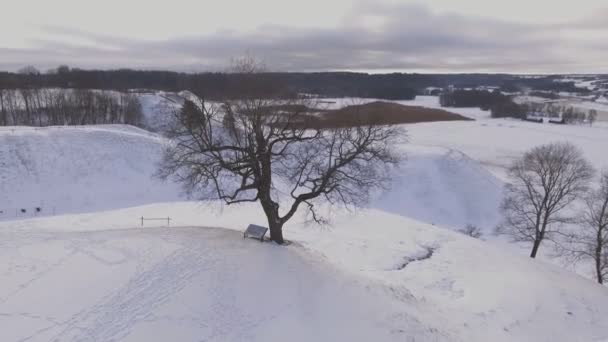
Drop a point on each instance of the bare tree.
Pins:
(545, 181)
(3, 107)
(592, 117)
(254, 147)
(591, 240)
(471, 230)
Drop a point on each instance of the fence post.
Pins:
(142, 221)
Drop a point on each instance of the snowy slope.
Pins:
(443, 186)
(183, 284)
(158, 109)
(78, 169)
(191, 283)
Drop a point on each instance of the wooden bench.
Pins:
(255, 232)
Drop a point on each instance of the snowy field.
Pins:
(85, 270)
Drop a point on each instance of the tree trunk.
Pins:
(598, 257)
(598, 270)
(276, 232)
(535, 248)
(275, 225)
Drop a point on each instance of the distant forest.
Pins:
(395, 86)
(48, 107)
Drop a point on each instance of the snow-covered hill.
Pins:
(78, 169)
(371, 276)
(445, 187)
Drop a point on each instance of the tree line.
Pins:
(498, 104)
(216, 85)
(212, 85)
(53, 106)
(483, 99)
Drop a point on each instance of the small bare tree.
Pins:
(591, 240)
(545, 181)
(255, 146)
(592, 117)
(471, 230)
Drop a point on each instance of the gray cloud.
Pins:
(405, 38)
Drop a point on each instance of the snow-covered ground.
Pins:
(181, 284)
(371, 276)
(389, 272)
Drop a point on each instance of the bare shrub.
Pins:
(471, 230)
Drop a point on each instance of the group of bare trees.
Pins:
(539, 204)
(52, 106)
(574, 116)
(568, 115)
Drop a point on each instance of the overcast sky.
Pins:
(519, 36)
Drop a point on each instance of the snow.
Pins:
(585, 81)
(158, 109)
(443, 186)
(186, 284)
(78, 169)
(189, 282)
(494, 143)
(584, 104)
(95, 274)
